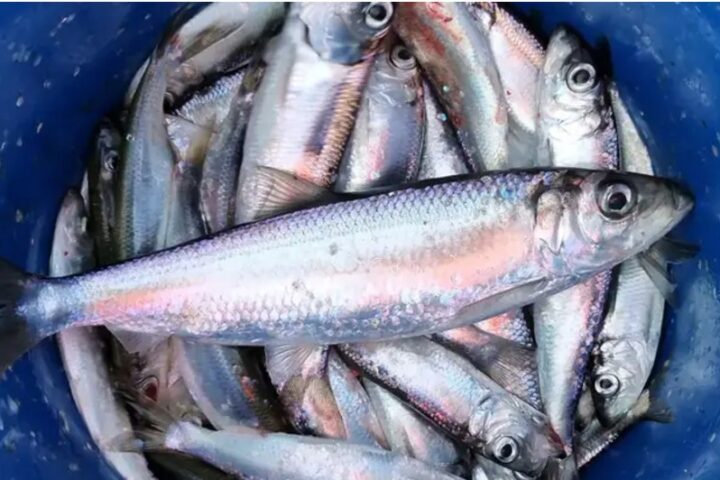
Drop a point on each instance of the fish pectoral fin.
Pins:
(281, 192)
(667, 250)
(136, 342)
(652, 409)
(286, 361)
(500, 302)
(659, 276)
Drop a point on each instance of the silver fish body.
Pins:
(208, 107)
(408, 433)
(361, 424)
(576, 129)
(146, 166)
(369, 268)
(222, 164)
(519, 58)
(628, 342)
(442, 155)
(218, 38)
(248, 452)
(82, 350)
(458, 61)
(188, 140)
(229, 390)
(385, 146)
(297, 259)
(459, 399)
(486, 469)
(510, 325)
(305, 106)
(102, 170)
(509, 364)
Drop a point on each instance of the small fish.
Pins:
(459, 399)
(361, 424)
(146, 166)
(628, 342)
(408, 433)
(506, 240)
(385, 146)
(458, 61)
(82, 350)
(442, 155)
(519, 58)
(576, 129)
(221, 168)
(229, 386)
(209, 107)
(102, 170)
(305, 106)
(595, 438)
(299, 374)
(247, 452)
(219, 39)
(508, 363)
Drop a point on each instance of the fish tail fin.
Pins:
(17, 332)
(156, 420)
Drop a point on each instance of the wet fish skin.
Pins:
(459, 399)
(361, 423)
(386, 144)
(458, 61)
(574, 116)
(519, 58)
(222, 165)
(102, 170)
(485, 469)
(299, 374)
(228, 385)
(442, 155)
(305, 106)
(510, 325)
(212, 41)
(209, 107)
(576, 130)
(408, 433)
(628, 343)
(329, 242)
(146, 166)
(244, 451)
(509, 364)
(81, 349)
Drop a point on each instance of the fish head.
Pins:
(72, 244)
(571, 91)
(621, 367)
(346, 32)
(589, 221)
(107, 149)
(514, 435)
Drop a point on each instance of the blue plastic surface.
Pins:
(63, 65)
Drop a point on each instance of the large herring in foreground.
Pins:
(400, 264)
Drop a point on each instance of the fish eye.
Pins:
(402, 58)
(378, 14)
(505, 450)
(111, 161)
(616, 200)
(607, 385)
(581, 77)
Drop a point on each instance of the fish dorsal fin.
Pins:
(281, 192)
(286, 361)
(659, 276)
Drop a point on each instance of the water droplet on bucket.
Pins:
(39, 127)
(47, 84)
(20, 100)
(19, 142)
(18, 216)
(76, 72)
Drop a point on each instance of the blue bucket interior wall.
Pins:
(62, 66)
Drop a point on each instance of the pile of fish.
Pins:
(358, 240)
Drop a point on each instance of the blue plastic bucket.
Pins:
(62, 66)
